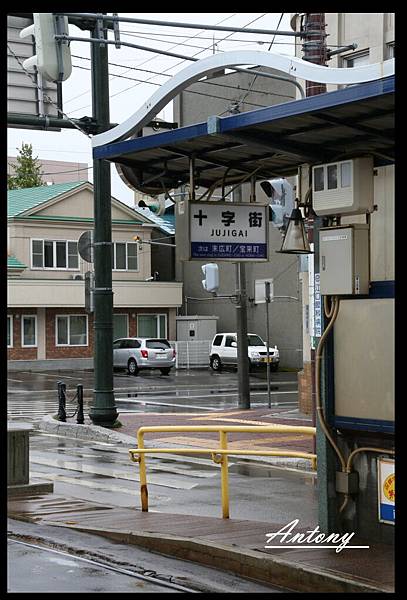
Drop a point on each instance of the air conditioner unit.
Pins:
(77, 277)
(343, 187)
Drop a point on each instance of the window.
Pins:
(157, 344)
(218, 340)
(120, 326)
(124, 256)
(9, 331)
(357, 60)
(29, 331)
(71, 330)
(229, 340)
(152, 326)
(332, 177)
(318, 179)
(346, 173)
(53, 254)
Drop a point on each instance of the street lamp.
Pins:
(295, 240)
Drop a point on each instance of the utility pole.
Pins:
(315, 51)
(241, 327)
(314, 48)
(103, 412)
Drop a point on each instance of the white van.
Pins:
(224, 352)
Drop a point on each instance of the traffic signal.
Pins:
(280, 193)
(157, 206)
(53, 57)
(211, 281)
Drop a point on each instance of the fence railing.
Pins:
(219, 454)
(192, 354)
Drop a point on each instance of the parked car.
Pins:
(138, 353)
(223, 352)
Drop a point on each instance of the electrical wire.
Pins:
(255, 77)
(188, 91)
(152, 58)
(174, 66)
(211, 83)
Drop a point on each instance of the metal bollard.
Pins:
(61, 416)
(80, 419)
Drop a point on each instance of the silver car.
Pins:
(138, 353)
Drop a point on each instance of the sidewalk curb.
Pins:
(102, 434)
(247, 563)
(83, 432)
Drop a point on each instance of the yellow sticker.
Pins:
(388, 488)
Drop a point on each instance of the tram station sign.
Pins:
(227, 231)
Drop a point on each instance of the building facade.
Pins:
(55, 171)
(46, 317)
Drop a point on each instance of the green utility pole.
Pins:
(103, 412)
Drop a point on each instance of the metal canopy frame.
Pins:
(265, 143)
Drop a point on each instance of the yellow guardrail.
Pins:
(219, 455)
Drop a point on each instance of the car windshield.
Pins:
(158, 344)
(255, 340)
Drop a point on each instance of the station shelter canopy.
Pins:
(266, 143)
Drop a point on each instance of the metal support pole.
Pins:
(241, 329)
(61, 416)
(143, 474)
(224, 475)
(242, 347)
(80, 419)
(103, 412)
(267, 295)
(192, 178)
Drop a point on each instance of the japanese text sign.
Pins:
(229, 231)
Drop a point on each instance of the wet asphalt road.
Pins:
(39, 569)
(31, 395)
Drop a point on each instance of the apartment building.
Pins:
(46, 317)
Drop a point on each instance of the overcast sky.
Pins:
(126, 95)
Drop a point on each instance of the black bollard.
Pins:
(80, 419)
(61, 416)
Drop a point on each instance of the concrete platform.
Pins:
(233, 545)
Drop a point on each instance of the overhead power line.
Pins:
(187, 91)
(108, 18)
(211, 83)
(186, 37)
(255, 77)
(184, 59)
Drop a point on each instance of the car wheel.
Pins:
(165, 370)
(216, 365)
(250, 367)
(132, 367)
(274, 368)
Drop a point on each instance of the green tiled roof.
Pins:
(14, 263)
(18, 201)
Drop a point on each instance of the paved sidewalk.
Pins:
(233, 545)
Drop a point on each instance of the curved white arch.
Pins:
(287, 64)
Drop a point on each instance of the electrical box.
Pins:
(343, 187)
(196, 327)
(344, 260)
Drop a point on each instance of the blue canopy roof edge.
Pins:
(343, 96)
